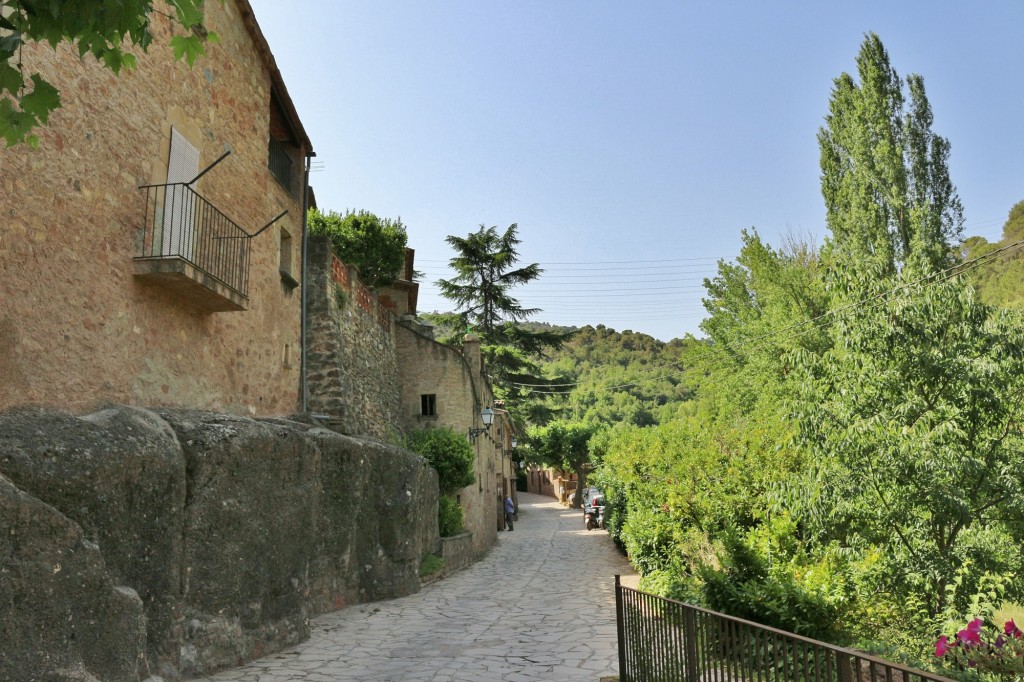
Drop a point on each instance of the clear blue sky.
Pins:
(631, 141)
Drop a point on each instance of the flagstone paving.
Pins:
(539, 606)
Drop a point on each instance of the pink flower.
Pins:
(971, 635)
(942, 646)
(1012, 630)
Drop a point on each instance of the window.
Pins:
(283, 152)
(280, 163)
(428, 405)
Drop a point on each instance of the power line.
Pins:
(872, 301)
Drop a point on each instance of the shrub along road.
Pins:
(539, 606)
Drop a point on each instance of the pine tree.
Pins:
(486, 273)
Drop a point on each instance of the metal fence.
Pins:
(178, 223)
(662, 640)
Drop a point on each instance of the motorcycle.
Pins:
(593, 515)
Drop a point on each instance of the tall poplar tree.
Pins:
(889, 199)
(913, 414)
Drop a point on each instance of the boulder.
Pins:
(120, 475)
(61, 617)
(250, 520)
(233, 531)
(378, 519)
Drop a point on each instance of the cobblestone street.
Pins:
(540, 606)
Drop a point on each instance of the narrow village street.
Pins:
(539, 606)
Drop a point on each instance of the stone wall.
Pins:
(352, 363)
(177, 543)
(77, 328)
(458, 552)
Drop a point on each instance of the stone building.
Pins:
(124, 278)
(444, 386)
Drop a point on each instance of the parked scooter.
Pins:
(593, 513)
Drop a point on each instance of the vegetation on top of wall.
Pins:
(374, 246)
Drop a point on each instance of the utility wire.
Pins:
(872, 301)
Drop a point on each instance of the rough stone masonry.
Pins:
(177, 543)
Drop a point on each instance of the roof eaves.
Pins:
(277, 81)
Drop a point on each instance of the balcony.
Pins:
(191, 248)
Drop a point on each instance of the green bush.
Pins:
(449, 453)
(765, 575)
(373, 246)
(449, 516)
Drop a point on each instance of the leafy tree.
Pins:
(486, 273)
(888, 196)
(565, 445)
(374, 246)
(101, 28)
(914, 420)
(912, 413)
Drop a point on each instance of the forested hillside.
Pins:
(999, 281)
(609, 377)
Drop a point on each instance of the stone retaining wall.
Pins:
(177, 543)
(352, 362)
(458, 552)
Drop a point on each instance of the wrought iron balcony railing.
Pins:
(179, 223)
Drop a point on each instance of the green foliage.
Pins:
(888, 196)
(486, 272)
(766, 575)
(374, 246)
(848, 438)
(431, 564)
(450, 519)
(98, 27)
(912, 419)
(998, 280)
(564, 444)
(448, 452)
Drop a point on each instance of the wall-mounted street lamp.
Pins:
(487, 417)
(514, 442)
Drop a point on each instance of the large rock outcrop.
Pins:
(61, 617)
(233, 531)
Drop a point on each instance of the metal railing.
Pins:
(179, 223)
(662, 640)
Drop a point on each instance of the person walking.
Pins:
(510, 511)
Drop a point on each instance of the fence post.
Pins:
(845, 669)
(620, 629)
(690, 642)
